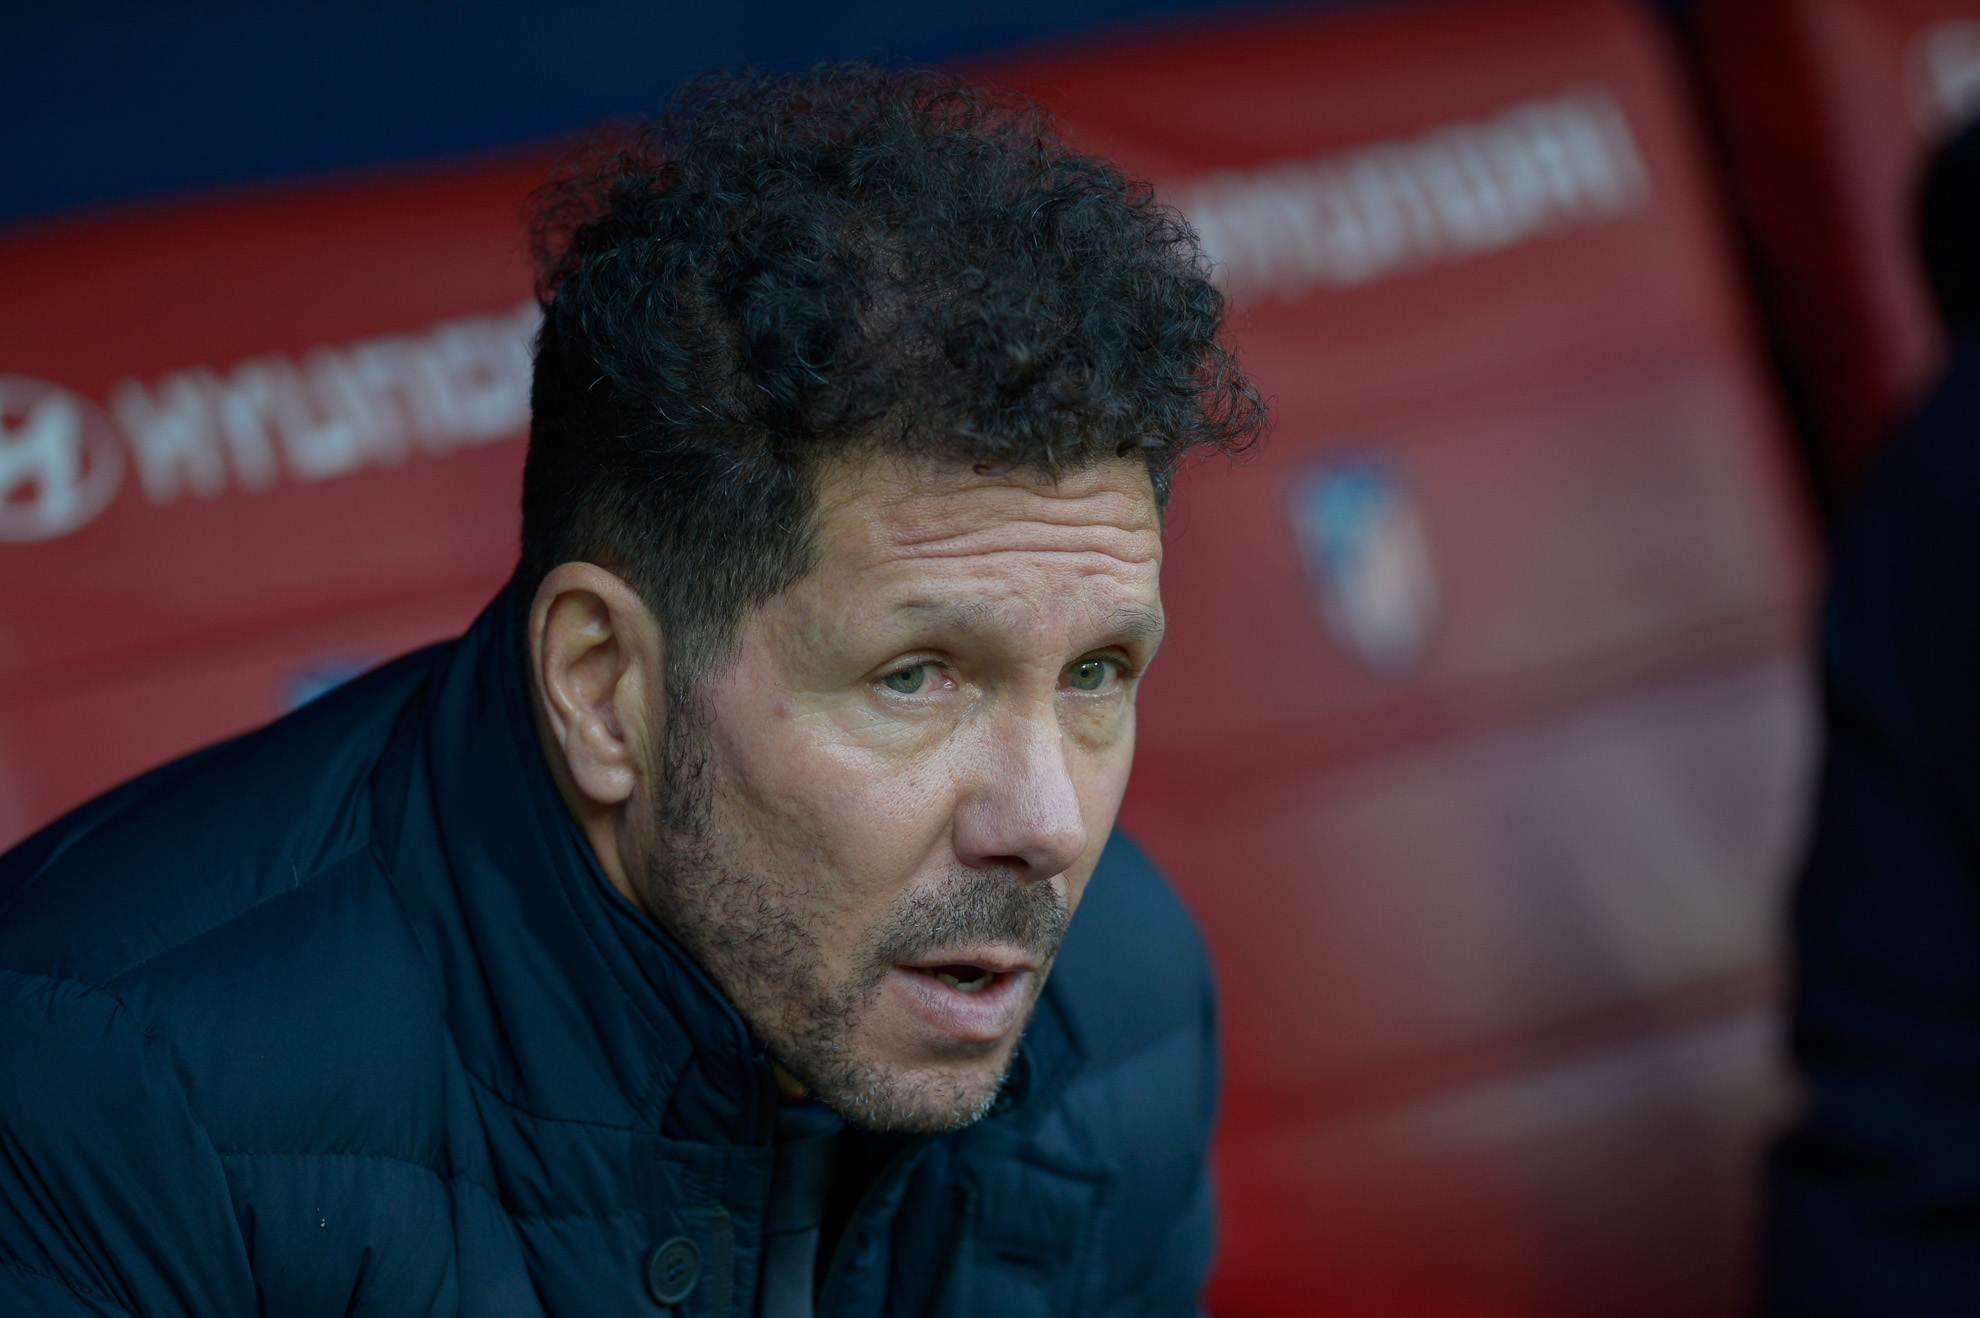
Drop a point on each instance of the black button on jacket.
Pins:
(342, 1018)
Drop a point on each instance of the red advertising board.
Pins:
(250, 445)
(1478, 742)
(1830, 110)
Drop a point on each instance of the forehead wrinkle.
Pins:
(980, 583)
(957, 539)
(1108, 511)
(1119, 537)
(941, 511)
(1131, 622)
(966, 615)
(1082, 562)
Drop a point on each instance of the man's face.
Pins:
(891, 801)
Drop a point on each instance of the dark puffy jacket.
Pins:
(342, 1017)
(1876, 1191)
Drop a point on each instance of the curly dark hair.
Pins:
(788, 266)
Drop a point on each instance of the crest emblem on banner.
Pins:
(322, 675)
(60, 460)
(1364, 552)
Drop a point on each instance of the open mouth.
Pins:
(970, 979)
(975, 1002)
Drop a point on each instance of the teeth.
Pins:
(976, 985)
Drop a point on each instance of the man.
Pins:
(1876, 1189)
(694, 931)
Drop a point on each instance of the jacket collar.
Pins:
(563, 997)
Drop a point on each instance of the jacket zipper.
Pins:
(895, 1168)
(958, 1241)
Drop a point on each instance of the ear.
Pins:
(595, 653)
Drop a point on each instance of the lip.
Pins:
(996, 960)
(981, 1017)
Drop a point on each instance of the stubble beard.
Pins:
(747, 926)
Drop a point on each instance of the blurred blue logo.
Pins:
(1365, 555)
(322, 674)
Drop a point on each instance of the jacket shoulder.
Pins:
(213, 960)
(1133, 971)
(194, 844)
(111, 1197)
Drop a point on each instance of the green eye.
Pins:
(907, 681)
(1088, 674)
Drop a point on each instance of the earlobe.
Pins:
(594, 650)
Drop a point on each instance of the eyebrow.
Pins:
(1138, 622)
(960, 615)
(1135, 622)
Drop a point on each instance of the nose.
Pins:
(1023, 813)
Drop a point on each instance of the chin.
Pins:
(925, 1099)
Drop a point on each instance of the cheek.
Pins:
(1101, 781)
(851, 827)
(832, 790)
(1073, 882)
(1102, 766)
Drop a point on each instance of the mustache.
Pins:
(972, 906)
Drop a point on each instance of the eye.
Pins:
(908, 681)
(1092, 674)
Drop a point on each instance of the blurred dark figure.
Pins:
(1949, 231)
(1876, 1193)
